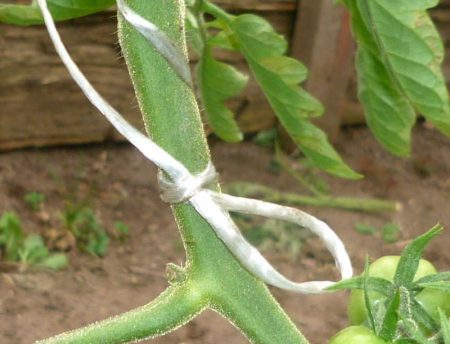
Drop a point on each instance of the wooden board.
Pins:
(258, 5)
(40, 104)
(323, 41)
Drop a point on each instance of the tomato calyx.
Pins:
(398, 296)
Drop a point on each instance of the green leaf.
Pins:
(414, 56)
(20, 14)
(440, 276)
(365, 228)
(422, 317)
(379, 285)
(55, 261)
(445, 326)
(11, 235)
(389, 325)
(98, 243)
(279, 77)
(314, 144)
(34, 199)
(266, 138)
(390, 232)
(256, 35)
(291, 71)
(222, 40)
(33, 250)
(121, 228)
(409, 261)
(218, 83)
(389, 116)
(83, 223)
(366, 292)
(61, 10)
(441, 285)
(399, 66)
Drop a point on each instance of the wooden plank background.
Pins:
(40, 105)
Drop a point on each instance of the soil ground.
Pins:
(119, 184)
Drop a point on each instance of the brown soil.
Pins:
(120, 184)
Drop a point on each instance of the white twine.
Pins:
(183, 186)
(162, 44)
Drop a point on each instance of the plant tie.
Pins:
(178, 184)
(183, 190)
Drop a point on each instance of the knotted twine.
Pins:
(182, 186)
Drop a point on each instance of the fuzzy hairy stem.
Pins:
(212, 276)
(152, 320)
(173, 120)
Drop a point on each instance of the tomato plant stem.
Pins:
(212, 277)
(172, 118)
(370, 205)
(154, 319)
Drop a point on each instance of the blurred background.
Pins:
(86, 204)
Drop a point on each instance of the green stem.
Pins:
(199, 15)
(212, 276)
(345, 203)
(149, 321)
(243, 307)
(215, 10)
(172, 118)
(320, 199)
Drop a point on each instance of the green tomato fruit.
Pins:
(385, 267)
(356, 335)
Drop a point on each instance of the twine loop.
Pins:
(184, 188)
(179, 185)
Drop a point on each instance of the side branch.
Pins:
(173, 308)
(256, 314)
(366, 205)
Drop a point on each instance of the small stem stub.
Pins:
(175, 274)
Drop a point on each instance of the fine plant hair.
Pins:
(223, 272)
(180, 186)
